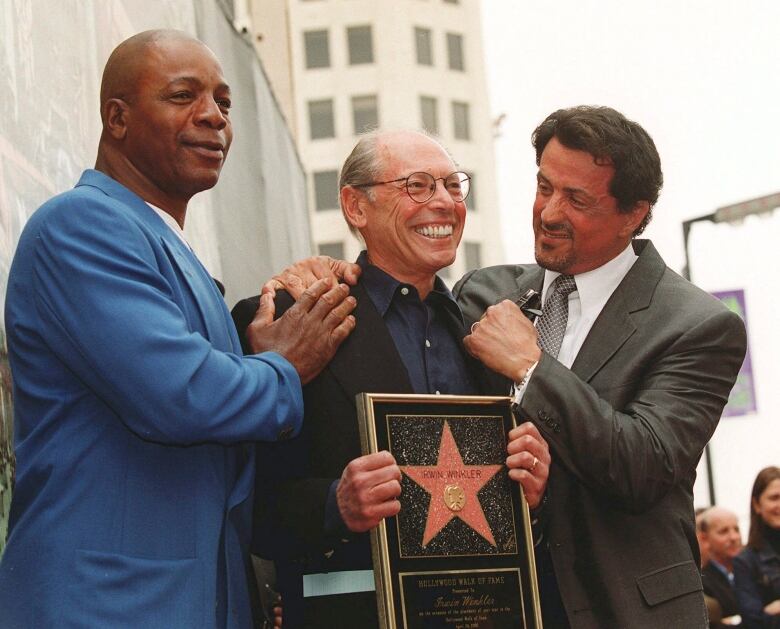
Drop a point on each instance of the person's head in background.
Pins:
(719, 531)
(703, 549)
(764, 507)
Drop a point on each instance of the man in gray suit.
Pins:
(635, 368)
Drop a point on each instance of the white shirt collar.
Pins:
(170, 222)
(595, 287)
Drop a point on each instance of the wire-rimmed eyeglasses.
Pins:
(422, 186)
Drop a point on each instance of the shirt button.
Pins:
(404, 291)
(427, 343)
(438, 392)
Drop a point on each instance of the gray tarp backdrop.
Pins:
(51, 57)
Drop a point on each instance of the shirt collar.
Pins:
(382, 287)
(595, 287)
(721, 567)
(170, 222)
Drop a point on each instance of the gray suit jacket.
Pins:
(626, 427)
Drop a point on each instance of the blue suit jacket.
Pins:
(133, 489)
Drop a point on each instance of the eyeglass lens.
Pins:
(422, 186)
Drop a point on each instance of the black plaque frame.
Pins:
(452, 589)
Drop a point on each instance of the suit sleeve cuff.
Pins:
(334, 524)
(518, 388)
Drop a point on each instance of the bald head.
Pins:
(165, 109)
(720, 531)
(129, 60)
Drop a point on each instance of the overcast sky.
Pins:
(702, 77)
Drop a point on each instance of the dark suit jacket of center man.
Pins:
(626, 427)
(289, 514)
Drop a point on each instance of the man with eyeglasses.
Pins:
(625, 377)
(317, 496)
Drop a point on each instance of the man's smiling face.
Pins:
(577, 224)
(405, 238)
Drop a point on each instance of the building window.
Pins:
(317, 49)
(471, 200)
(452, 1)
(472, 252)
(365, 114)
(361, 45)
(326, 190)
(424, 45)
(333, 249)
(321, 124)
(455, 51)
(428, 114)
(460, 121)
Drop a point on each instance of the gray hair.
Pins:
(361, 166)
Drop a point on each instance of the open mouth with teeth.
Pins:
(434, 231)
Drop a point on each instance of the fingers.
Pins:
(381, 511)
(258, 330)
(333, 308)
(314, 327)
(297, 278)
(311, 296)
(368, 491)
(342, 308)
(529, 461)
(533, 488)
(321, 269)
(346, 271)
(526, 428)
(504, 341)
(271, 286)
(265, 310)
(343, 330)
(386, 491)
(374, 461)
(341, 318)
(320, 300)
(525, 445)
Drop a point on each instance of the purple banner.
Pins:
(742, 400)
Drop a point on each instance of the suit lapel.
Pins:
(614, 325)
(206, 299)
(369, 353)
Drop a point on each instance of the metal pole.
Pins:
(687, 275)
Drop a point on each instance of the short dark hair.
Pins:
(612, 139)
(757, 534)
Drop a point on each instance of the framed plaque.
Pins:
(459, 555)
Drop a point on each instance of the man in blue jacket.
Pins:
(132, 401)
